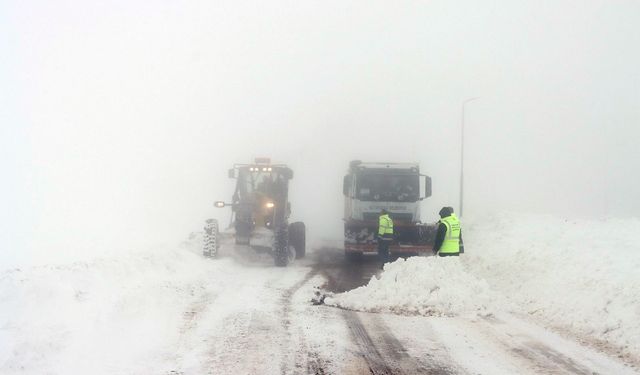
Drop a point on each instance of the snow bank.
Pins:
(576, 274)
(117, 315)
(425, 286)
(580, 276)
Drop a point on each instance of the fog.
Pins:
(119, 119)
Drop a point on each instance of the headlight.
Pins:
(270, 204)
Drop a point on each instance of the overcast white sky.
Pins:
(119, 119)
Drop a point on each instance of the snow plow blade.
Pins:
(411, 239)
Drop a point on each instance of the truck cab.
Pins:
(397, 187)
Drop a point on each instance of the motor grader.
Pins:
(260, 213)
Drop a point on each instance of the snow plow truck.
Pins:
(397, 187)
(260, 213)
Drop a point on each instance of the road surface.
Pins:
(268, 325)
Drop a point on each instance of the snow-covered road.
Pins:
(494, 344)
(173, 311)
(243, 316)
(265, 324)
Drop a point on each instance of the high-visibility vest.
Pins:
(385, 225)
(451, 243)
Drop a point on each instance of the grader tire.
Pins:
(210, 240)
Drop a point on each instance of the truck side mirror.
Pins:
(232, 173)
(287, 173)
(346, 185)
(427, 186)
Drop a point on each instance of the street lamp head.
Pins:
(470, 99)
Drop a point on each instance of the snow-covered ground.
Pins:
(170, 311)
(578, 276)
(106, 315)
(145, 313)
(575, 274)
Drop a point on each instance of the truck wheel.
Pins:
(210, 243)
(297, 238)
(282, 253)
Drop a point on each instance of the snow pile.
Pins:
(424, 286)
(119, 315)
(578, 275)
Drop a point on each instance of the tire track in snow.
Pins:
(539, 356)
(368, 350)
(191, 315)
(190, 322)
(265, 338)
(549, 360)
(383, 353)
(314, 363)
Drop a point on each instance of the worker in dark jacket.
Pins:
(385, 236)
(449, 235)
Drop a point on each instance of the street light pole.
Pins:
(464, 103)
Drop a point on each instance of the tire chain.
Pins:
(210, 248)
(281, 246)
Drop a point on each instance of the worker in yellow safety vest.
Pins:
(448, 240)
(385, 236)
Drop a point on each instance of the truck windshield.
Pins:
(271, 184)
(388, 188)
